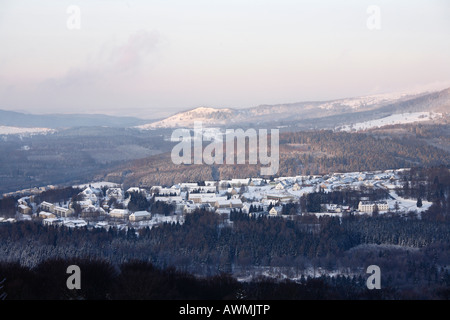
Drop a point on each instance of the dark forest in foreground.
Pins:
(414, 255)
(140, 280)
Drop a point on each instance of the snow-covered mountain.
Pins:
(344, 111)
(208, 116)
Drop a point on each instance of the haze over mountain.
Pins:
(301, 115)
(353, 109)
(55, 121)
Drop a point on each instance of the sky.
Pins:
(155, 58)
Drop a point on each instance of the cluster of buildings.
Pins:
(105, 207)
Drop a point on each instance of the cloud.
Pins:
(131, 55)
(111, 63)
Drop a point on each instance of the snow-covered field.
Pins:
(17, 130)
(402, 118)
(406, 205)
(98, 185)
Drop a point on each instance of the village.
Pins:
(106, 205)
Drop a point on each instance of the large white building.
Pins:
(119, 213)
(369, 206)
(140, 216)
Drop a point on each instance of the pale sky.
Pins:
(154, 58)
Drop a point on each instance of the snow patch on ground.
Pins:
(402, 118)
(16, 130)
(98, 185)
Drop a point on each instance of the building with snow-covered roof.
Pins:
(282, 185)
(296, 187)
(274, 212)
(369, 206)
(236, 203)
(240, 182)
(75, 223)
(201, 197)
(24, 209)
(140, 216)
(84, 204)
(46, 215)
(47, 206)
(119, 213)
(63, 212)
(212, 200)
(232, 203)
(169, 199)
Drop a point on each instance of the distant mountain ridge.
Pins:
(301, 115)
(365, 108)
(56, 121)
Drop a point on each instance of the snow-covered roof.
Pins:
(141, 214)
(119, 211)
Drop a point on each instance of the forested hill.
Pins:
(303, 153)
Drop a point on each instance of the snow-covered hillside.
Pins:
(366, 101)
(186, 119)
(410, 106)
(402, 118)
(16, 130)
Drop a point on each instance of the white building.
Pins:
(119, 213)
(63, 212)
(369, 206)
(75, 223)
(232, 203)
(46, 206)
(46, 215)
(24, 209)
(274, 212)
(240, 182)
(201, 197)
(170, 199)
(140, 216)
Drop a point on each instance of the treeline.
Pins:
(8, 207)
(139, 280)
(327, 151)
(57, 194)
